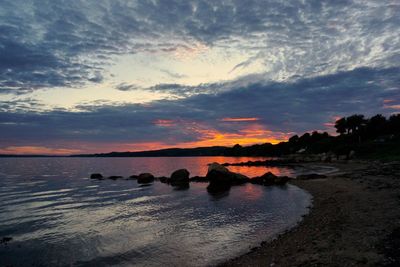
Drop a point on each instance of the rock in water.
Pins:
(282, 180)
(163, 179)
(214, 187)
(115, 177)
(145, 178)
(96, 176)
(198, 179)
(179, 177)
(217, 167)
(270, 179)
(222, 179)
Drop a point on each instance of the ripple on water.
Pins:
(65, 219)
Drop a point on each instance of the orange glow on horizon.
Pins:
(253, 134)
(37, 150)
(204, 135)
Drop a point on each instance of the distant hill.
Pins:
(170, 152)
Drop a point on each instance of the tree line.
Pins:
(368, 128)
(376, 134)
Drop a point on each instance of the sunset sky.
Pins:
(117, 75)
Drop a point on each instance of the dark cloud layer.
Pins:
(48, 43)
(303, 105)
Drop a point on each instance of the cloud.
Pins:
(266, 111)
(69, 44)
(127, 87)
(173, 74)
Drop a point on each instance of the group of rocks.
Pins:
(179, 177)
(218, 176)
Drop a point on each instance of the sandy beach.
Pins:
(354, 221)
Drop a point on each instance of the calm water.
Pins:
(58, 217)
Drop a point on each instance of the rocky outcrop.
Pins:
(199, 179)
(163, 179)
(96, 176)
(222, 179)
(282, 180)
(115, 177)
(270, 179)
(145, 178)
(179, 177)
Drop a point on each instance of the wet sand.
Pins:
(354, 221)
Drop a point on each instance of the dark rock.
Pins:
(310, 176)
(200, 179)
(114, 177)
(181, 187)
(214, 188)
(282, 180)
(96, 176)
(180, 177)
(133, 177)
(219, 173)
(222, 179)
(145, 178)
(270, 179)
(163, 179)
(257, 180)
(218, 194)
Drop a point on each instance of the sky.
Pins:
(116, 75)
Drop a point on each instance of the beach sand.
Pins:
(354, 221)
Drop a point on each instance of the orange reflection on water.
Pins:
(197, 166)
(253, 191)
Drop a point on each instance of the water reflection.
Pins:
(252, 192)
(67, 219)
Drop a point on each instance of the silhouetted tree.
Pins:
(394, 124)
(355, 122)
(341, 126)
(376, 126)
(236, 150)
(294, 139)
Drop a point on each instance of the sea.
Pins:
(53, 214)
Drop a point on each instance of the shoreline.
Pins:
(354, 220)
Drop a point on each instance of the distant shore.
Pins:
(354, 221)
